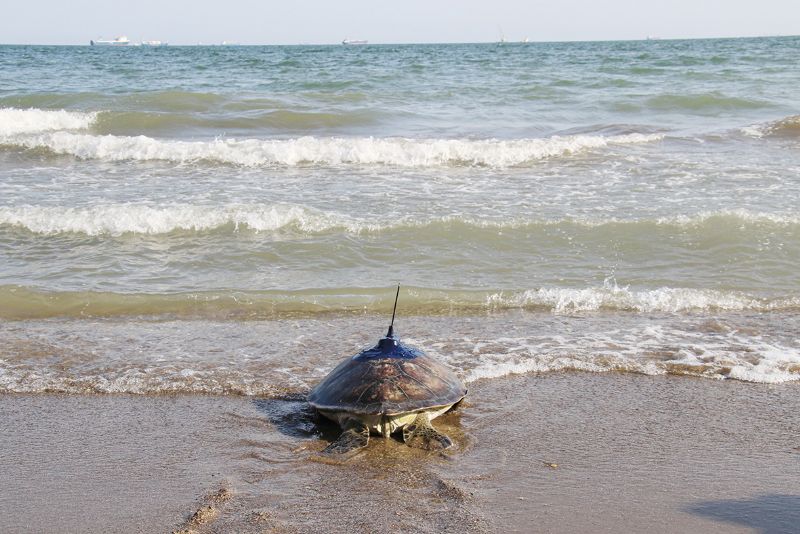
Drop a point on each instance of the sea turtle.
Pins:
(388, 387)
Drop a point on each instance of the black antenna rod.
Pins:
(390, 333)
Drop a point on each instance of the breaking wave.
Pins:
(123, 218)
(612, 297)
(27, 121)
(142, 219)
(54, 131)
(118, 219)
(324, 151)
(19, 303)
(785, 127)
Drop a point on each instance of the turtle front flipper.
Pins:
(355, 436)
(422, 435)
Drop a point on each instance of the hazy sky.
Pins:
(329, 21)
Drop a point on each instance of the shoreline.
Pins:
(554, 452)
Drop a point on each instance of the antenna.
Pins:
(390, 333)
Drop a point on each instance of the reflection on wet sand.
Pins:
(553, 452)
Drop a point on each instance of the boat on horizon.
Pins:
(354, 42)
(119, 41)
(154, 43)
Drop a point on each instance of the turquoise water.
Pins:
(655, 183)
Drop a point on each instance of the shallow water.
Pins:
(276, 357)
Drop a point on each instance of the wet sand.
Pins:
(560, 452)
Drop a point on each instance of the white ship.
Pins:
(154, 43)
(354, 42)
(119, 41)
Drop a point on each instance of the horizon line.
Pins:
(387, 43)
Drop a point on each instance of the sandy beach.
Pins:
(535, 453)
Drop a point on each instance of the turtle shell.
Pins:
(389, 379)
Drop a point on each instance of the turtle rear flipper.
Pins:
(421, 435)
(354, 437)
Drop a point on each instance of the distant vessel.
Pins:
(154, 43)
(119, 41)
(354, 42)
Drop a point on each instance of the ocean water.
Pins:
(234, 219)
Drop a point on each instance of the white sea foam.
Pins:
(142, 381)
(763, 372)
(612, 297)
(647, 349)
(754, 130)
(162, 357)
(534, 364)
(27, 121)
(740, 216)
(117, 219)
(772, 365)
(325, 151)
